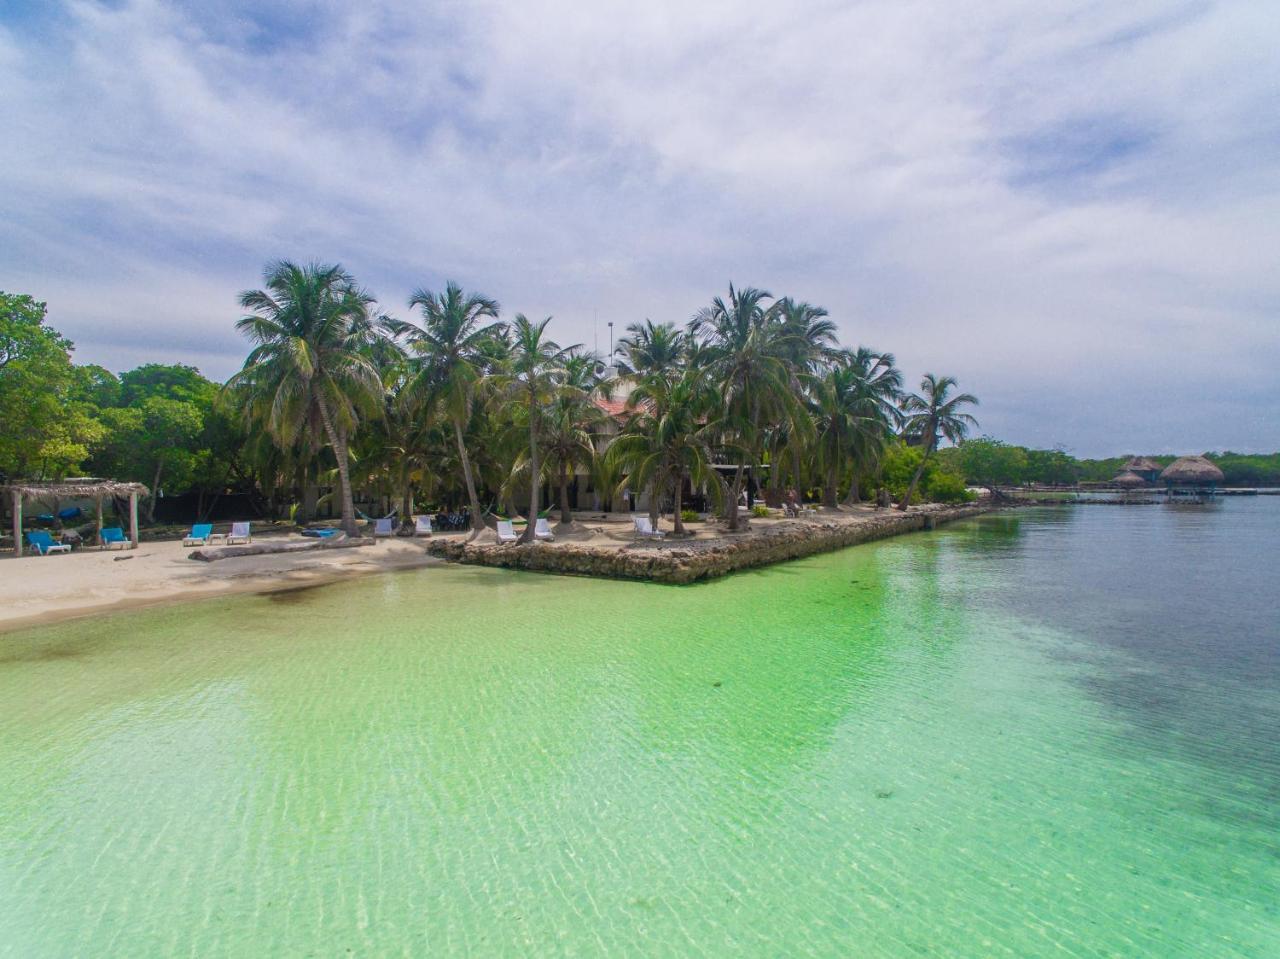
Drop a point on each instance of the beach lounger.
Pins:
(506, 532)
(382, 527)
(199, 535)
(422, 526)
(645, 530)
(239, 534)
(43, 543)
(542, 530)
(113, 538)
(325, 532)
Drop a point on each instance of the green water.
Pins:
(1046, 735)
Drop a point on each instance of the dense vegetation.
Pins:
(984, 461)
(459, 407)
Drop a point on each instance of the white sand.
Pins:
(41, 589)
(36, 589)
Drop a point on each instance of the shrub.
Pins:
(946, 488)
(760, 510)
(689, 516)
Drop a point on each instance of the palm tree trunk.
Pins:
(653, 491)
(734, 493)
(854, 497)
(829, 498)
(535, 473)
(473, 501)
(406, 505)
(676, 520)
(339, 444)
(915, 480)
(155, 492)
(565, 515)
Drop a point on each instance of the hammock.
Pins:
(372, 519)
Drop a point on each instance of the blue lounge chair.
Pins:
(113, 538)
(43, 543)
(322, 532)
(199, 535)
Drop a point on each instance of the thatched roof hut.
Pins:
(1192, 471)
(1141, 464)
(1129, 480)
(83, 487)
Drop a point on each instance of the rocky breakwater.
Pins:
(688, 561)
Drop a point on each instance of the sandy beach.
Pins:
(36, 590)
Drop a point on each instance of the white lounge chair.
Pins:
(422, 526)
(239, 534)
(382, 527)
(645, 530)
(506, 532)
(542, 530)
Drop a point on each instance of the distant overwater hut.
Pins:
(1192, 479)
(1132, 486)
(1143, 467)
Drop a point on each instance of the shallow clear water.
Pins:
(1053, 733)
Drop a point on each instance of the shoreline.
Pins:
(42, 591)
(681, 562)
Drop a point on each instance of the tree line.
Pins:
(457, 404)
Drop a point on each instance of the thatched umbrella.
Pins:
(1142, 464)
(86, 488)
(1129, 480)
(1192, 471)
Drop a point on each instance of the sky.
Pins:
(1072, 206)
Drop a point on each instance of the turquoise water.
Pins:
(1045, 734)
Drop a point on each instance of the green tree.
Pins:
(309, 372)
(989, 462)
(668, 441)
(931, 415)
(571, 424)
(454, 347)
(852, 408)
(534, 375)
(46, 432)
(747, 358)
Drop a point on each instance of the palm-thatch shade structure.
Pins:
(1129, 480)
(1144, 467)
(83, 488)
(1193, 472)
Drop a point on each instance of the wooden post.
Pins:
(98, 503)
(133, 517)
(17, 524)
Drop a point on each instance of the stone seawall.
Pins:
(688, 562)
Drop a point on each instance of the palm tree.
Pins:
(810, 337)
(309, 369)
(878, 387)
(669, 441)
(932, 414)
(853, 415)
(651, 349)
(747, 357)
(535, 372)
(572, 422)
(653, 357)
(453, 343)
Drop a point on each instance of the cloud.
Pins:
(1070, 206)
